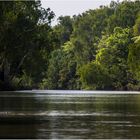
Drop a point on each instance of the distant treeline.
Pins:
(99, 49)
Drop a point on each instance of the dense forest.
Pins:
(98, 49)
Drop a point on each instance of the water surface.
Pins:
(69, 114)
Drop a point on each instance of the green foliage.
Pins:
(134, 59)
(134, 51)
(21, 40)
(113, 55)
(94, 76)
(63, 30)
(124, 14)
(61, 73)
(136, 27)
(88, 29)
(98, 49)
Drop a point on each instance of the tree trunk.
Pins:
(6, 71)
(19, 65)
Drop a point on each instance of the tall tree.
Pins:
(113, 55)
(134, 50)
(19, 27)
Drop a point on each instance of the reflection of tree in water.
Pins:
(20, 116)
(35, 116)
(111, 116)
(119, 116)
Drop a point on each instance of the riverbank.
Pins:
(77, 92)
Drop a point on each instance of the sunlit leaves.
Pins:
(94, 76)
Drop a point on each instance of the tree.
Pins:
(87, 32)
(63, 29)
(98, 49)
(113, 55)
(61, 73)
(134, 50)
(19, 27)
(124, 14)
(94, 76)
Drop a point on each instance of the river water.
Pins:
(70, 114)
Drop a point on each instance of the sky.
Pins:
(72, 7)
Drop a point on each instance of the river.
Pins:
(50, 114)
